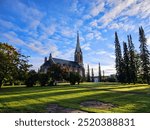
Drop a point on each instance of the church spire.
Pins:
(50, 56)
(78, 49)
(78, 53)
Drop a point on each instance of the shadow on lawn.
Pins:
(71, 97)
(44, 93)
(121, 100)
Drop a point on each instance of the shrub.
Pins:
(74, 77)
(43, 79)
(31, 78)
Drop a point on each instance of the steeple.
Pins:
(45, 60)
(50, 56)
(78, 49)
(78, 53)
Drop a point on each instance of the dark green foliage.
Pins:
(88, 74)
(23, 68)
(92, 75)
(78, 78)
(126, 69)
(138, 68)
(74, 78)
(135, 67)
(13, 64)
(145, 56)
(119, 60)
(111, 78)
(32, 77)
(56, 73)
(132, 60)
(43, 79)
(9, 58)
(99, 73)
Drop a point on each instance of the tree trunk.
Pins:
(0, 84)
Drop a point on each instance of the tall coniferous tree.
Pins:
(144, 55)
(126, 63)
(138, 67)
(92, 75)
(88, 74)
(103, 76)
(119, 60)
(132, 64)
(99, 73)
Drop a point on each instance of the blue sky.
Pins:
(41, 27)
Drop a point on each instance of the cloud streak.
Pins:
(50, 27)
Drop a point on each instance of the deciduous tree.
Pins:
(11, 62)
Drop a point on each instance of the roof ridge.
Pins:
(64, 60)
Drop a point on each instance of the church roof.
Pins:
(61, 61)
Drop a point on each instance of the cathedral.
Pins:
(71, 66)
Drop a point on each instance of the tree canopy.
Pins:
(12, 63)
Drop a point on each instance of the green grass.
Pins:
(126, 98)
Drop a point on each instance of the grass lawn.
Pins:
(126, 98)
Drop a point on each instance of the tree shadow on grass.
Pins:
(72, 97)
(42, 94)
(122, 101)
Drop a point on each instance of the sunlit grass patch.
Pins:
(125, 97)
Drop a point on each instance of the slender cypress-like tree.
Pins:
(138, 67)
(126, 63)
(99, 73)
(92, 75)
(88, 74)
(119, 60)
(103, 79)
(132, 64)
(145, 56)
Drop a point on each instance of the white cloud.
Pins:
(34, 24)
(82, 39)
(106, 58)
(94, 34)
(74, 6)
(79, 23)
(68, 54)
(86, 46)
(140, 9)
(115, 12)
(97, 8)
(47, 31)
(108, 69)
(148, 40)
(36, 62)
(11, 26)
(97, 35)
(6, 24)
(67, 31)
(28, 14)
(94, 23)
(12, 38)
(89, 36)
(33, 44)
(87, 16)
(111, 46)
(120, 25)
